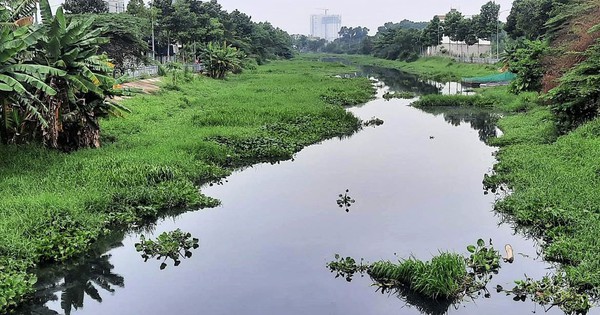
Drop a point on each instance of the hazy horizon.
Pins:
(294, 16)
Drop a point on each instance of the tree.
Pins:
(487, 23)
(72, 114)
(453, 24)
(432, 34)
(467, 30)
(220, 59)
(21, 109)
(137, 8)
(85, 6)
(528, 18)
(526, 62)
(397, 44)
(127, 45)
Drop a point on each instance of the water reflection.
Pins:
(90, 276)
(399, 81)
(420, 303)
(484, 121)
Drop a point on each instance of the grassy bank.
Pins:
(554, 182)
(55, 205)
(436, 68)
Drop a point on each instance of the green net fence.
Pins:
(494, 78)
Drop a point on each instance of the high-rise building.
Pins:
(325, 26)
(116, 6)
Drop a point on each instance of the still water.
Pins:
(417, 182)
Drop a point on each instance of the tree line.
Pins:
(406, 40)
(556, 52)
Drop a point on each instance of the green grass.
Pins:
(440, 69)
(554, 183)
(443, 277)
(555, 193)
(55, 205)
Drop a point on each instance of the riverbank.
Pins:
(54, 205)
(553, 181)
(435, 68)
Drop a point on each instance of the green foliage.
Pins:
(84, 85)
(347, 97)
(552, 291)
(127, 38)
(528, 18)
(488, 20)
(434, 32)
(552, 180)
(85, 6)
(221, 59)
(397, 44)
(444, 277)
(192, 23)
(346, 267)
(526, 62)
(533, 126)
(483, 259)
(63, 237)
(137, 8)
(175, 245)
(577, 98)
(13, 286)
(350, 40)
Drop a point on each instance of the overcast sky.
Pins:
(294, 15)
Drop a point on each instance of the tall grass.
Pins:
(54, 205)
(444, 277)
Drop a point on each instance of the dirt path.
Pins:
(148, 86)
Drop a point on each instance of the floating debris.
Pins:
(510, 257)
(373, 122)
(345, 201)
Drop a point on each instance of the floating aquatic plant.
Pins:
(345, 201)
(174, 245)
(373, 122)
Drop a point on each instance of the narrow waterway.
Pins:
(417, 182)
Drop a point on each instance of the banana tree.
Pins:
(220, 59)
(81, 100)
(20, 84)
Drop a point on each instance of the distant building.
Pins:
(116, 6)
(460, 49)
(325, 26)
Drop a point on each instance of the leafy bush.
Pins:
(526, 62)
(221, 59)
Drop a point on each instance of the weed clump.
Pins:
(447, 276)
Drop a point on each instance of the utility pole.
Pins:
(152, 14)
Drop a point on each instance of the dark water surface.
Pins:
(265, 250)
